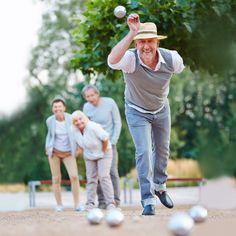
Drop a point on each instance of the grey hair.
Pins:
(90, 86)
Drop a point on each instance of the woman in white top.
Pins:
(97, 151)
(61, 147)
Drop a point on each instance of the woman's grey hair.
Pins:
(88, 87)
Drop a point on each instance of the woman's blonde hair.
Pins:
(79, 114)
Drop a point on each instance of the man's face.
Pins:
(58, 108)
(92, 97)
(147, 48)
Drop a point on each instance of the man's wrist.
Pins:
(132, 34)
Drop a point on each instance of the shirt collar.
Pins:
(161, 60)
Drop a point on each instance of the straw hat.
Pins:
(148, 30)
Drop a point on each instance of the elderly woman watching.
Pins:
(61, 148)
(97, 151)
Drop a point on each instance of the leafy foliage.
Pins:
(76, 36)
(23, 134)
(22, 151)
(49, 69)
(203, 113)
(202, 31)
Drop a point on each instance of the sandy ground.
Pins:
(219, 197)
(38, 222)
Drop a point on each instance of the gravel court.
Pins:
(217, 196)
(39, 222)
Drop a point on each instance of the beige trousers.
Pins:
(72, 170)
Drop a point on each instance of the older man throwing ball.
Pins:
(147, 71)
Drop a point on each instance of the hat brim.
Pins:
(149, 36)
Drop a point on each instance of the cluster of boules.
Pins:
(113, 218)
(181, 223)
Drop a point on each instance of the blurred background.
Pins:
(56, 47)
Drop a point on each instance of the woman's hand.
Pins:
(104, 145)
(79, 151)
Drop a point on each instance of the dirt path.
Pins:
(43, 222)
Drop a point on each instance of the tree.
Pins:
(203, 114)
(22, 150)
(202, 31)
(72, 48)
(204, 34)
(23, 134)
(49, 69)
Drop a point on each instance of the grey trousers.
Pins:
(114, 179)
(99, 170)
(151, 136)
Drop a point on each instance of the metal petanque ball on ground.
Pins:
(95, 216)
(114, 217)
(198, 213)
(180, 224)
(120, 11)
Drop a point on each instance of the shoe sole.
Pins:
(159, 197)
(148, 214)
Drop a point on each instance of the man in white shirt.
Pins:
(147, 71)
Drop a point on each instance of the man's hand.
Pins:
(119, 50)
(133, 22)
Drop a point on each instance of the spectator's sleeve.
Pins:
(48, 134)
(116, 120)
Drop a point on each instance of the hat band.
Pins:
(147, 32)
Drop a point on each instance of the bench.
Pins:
(33, 184)
(127, 187)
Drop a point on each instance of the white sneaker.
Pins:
(59, 208)
(89, 207)
(111, 206)
(80, 207)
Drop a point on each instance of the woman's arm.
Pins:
(79, 150)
